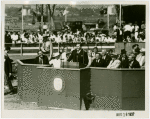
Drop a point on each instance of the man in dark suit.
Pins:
(8, 70)
(124, 59)
(41, 59)
(106, 58)
(98, 61)
(79, 55)
(133, 63)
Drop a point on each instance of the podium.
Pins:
(62, 87)
(72, 65)
(114, 89)
(27, 80)
(118, 89)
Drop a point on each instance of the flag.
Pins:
(65, 12)
(111, 10)
(25, 9)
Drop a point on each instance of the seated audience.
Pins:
(95, 51)
(124, 59)
(106, 58)
(98, 61)
(114, 63)
(41, 59)
(133, 63)
(141, 57)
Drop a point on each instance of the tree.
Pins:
(51, 9)
(117, 7)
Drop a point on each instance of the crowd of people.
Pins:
(90, 58)
(130, 32)
(93, 58)
(126, 33)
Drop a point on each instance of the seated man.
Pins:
(106, 58)
(133, 63)
(141, 57)
(98, 61)
(124, 59)
(41, 59)
(114, 63)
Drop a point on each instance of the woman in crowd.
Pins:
(115, 62)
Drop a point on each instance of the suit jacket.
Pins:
(135, 64)
(114, 64)
(106, 61)
(7, 65)
(82, 57)
(124, 63)
(45, 60)
(97, 64)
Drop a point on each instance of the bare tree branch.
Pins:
(49, 7)
(53, 9)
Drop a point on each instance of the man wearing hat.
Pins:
(141, 57)
(124, 59)
(114, 63)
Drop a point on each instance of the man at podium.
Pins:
(79, 55)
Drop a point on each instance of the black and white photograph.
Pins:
(75, 58)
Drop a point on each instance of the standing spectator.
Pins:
(136, 31)
(45, 27)
(133, 63)
(8, 70)
(106, 58)
(79, 55)
(84, 28)
(14, 37)
(7, 37)
(142, 26)
(114, 63)
(127, 30)
(119, 33)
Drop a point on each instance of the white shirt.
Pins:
(114, 64)
(136, 28)
(14, 37)
(56, 63)
(44, 26)
(127, 28)
(64, 56)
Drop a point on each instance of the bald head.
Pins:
(103, 52)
